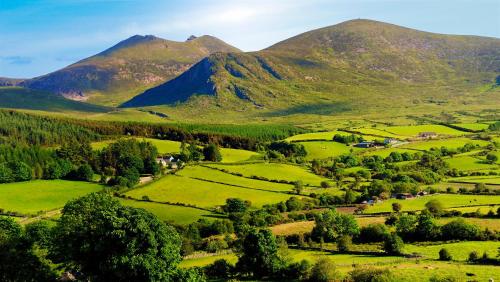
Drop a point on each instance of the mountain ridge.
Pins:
(127, 68)
(335, 61)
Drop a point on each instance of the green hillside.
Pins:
(128, 68)
(22, 98)
(359, 66)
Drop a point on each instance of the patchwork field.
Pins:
(170, 213)
(181, 189)
(172, 147)
(494, 180)
(448, 143)
(325, 149)
(448, 201)
(385, 152)
(276, 171)
(459, 251)
(468, 163)
(42, 195)
(414, 130)
(210, 174)
(473, 126)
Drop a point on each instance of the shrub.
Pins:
(434, 206)
(396, 207)
(444, 254)
(373, 233)
(324, 271)
(458, 229)
(393, 244)
(325, 184)
(220, 269)
(344, 243)
(371, 274)
(298, 270)
(473, 256)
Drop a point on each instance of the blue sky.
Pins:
(40, 36)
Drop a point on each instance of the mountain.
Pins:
(5, 81)
(28, 99)
(128, 68)
(358, 64)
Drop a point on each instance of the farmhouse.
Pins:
(403, 196)
(390, 141)
(365, 144)
(167, 161)
(427, 135)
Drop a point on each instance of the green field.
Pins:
(414, 130)
(386, 152)
(468, 163)
(379, 132)
(459, 251)
(492, 224)
(448, 201)
(173, 147)
(322, 136)
(274, 171)
(473, 126)
(210, 174)
(181, 189)
(42, 195)
(448, 143)
(494, 180)
(170, 213)
(326, 149)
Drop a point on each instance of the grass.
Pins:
(379, 132)
(27, 99)
(325, 149)
(468, 163)
(42, 195)
(448, 201)
(473, 126)
(170, 213)
(207, 259)
(201, 172)
(274, 171)
(181, 189)
(173, 147)
(459, 251)
(299, 227)
(494, 180)
(482, 209)
(414, 130)
(448, 143)
(320, 136)
(386, 152)
(490, 223)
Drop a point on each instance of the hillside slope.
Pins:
(359, 64)
(27, 99)
(128, 68)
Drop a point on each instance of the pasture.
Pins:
(320, 136)
(468, 163)
(42, 195)
(385, 152)
(459, 251)
(473, 126)
(326, 149)
(488, 179)
(170, 213)
(448, 201)
(173, 147)
(181, 189)
(414, 130)
(275, 171)
(452, 143)
(210, 174)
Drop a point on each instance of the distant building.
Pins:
(427, 134)
(365, 144)
(403, 196)
(390, 141)
(422, 193)
(167, 161)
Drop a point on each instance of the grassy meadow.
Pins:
(42, 195)
(185, 190)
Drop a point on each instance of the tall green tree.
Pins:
(109, 242)
(211, 153)
(331, 225)
(259, 254)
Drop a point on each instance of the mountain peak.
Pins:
(192, 37)
(131, 41)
